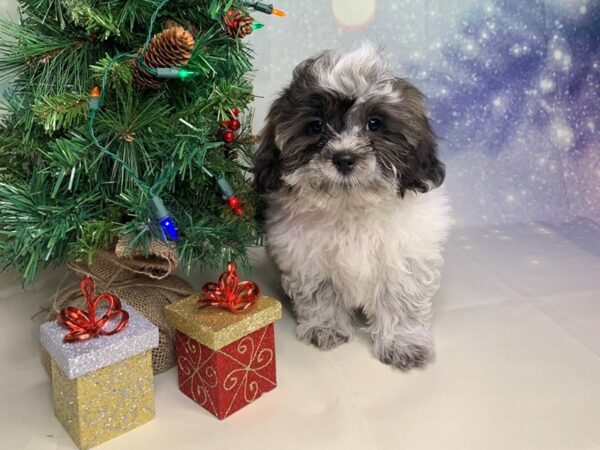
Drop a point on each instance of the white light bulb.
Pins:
(354, 14)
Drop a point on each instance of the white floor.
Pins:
(518, 338)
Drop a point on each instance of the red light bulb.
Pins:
(234, 204)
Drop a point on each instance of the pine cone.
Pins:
(238, 25)
(188, 25)
(171, 47)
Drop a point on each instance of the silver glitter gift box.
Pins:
(102, 387)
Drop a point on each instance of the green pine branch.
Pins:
(119, 74)
(43, 55)
(53, 10)
(62, 111)
(93, 235)
(130, 13)
(36, 230)
(97, 22)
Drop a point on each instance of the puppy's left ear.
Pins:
(424, 170)
(427, 171)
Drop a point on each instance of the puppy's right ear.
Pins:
(267, 162)
(267, 159)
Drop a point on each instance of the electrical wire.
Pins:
(101, 147)
(115, 59)
(140, 59)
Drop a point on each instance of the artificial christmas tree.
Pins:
(143, 156)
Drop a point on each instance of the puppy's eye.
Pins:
(374, 124)
(315, 126)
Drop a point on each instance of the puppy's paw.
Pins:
(405, 355)
(322, 337)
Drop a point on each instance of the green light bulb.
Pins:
(184, 74)
(257, 26)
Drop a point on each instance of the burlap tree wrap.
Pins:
(145, 283)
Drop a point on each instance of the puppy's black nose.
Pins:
(344, 162)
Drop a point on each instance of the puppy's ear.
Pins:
(267, 162)
(267, 159)
(424, 170)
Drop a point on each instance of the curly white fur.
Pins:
(352, 242)
(383, 256)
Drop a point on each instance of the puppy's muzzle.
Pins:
(344, 162)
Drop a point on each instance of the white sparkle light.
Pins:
(546, 85)
(562, 134)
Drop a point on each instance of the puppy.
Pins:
(348, 161)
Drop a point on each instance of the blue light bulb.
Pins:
(169, 228)
(167, 224)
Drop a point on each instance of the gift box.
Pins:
(102, 386)
(225, 360)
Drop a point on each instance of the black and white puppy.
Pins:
(348, 160)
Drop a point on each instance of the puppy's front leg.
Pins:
(323, 320)
(400, 330)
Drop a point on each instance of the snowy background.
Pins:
(513, 89)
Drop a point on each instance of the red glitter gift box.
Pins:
(225, 359)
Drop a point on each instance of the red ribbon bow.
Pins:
(84, 325)
(230, 293)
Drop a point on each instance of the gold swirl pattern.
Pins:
(201, 371)
(195, 370)
(260, 358)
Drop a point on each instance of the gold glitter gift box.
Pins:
(225, 360)
(102, 387)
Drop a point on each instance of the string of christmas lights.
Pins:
(228, 193)
(161, 213)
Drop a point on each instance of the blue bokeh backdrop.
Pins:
(513, 89)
